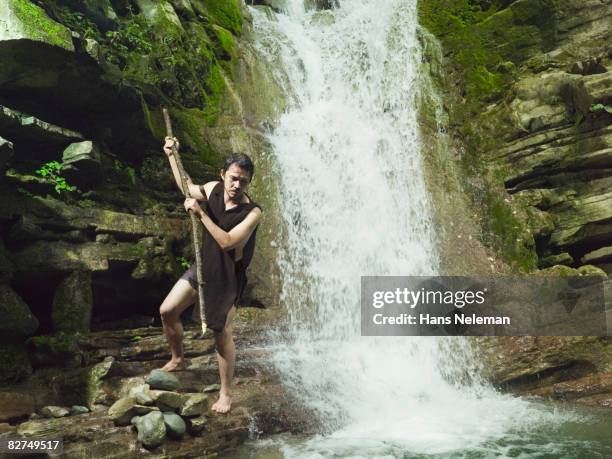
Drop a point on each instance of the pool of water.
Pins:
(572, 432)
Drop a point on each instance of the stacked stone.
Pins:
(158, 410)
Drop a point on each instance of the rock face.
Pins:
(526, 89)
(539, 99)
(87, 197)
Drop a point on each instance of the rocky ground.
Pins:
(126, 357)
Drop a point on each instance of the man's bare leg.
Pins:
(180, 297)
(226, 356)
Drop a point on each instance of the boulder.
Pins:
(17, 319)
(212, 388)
(82, 163)
(168, 400)
(52, 411)
(151, 429)
(122, 411)
(163, 380)
(175, 426)
(196, 405)
(78, 409)
(142, 394)
(196, 425)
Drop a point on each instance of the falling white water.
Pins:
(354, 202)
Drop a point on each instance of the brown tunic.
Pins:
(224, 278)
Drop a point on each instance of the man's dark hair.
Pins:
(242, 161)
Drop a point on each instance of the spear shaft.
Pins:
(194, 220)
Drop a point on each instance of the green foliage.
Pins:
(601, 107)
(51, 172)
(79, 23)
(183, 262)
(129, 170)
(134, 37)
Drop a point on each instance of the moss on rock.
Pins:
(225, 13)
(23, 19)
(14, 363)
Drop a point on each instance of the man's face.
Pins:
(235, 181)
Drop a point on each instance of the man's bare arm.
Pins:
(237, 236)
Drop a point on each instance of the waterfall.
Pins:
(354, 203)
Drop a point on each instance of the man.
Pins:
(231, 220)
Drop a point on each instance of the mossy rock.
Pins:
(15, 365)
(73, 303)
(21, 19)
(17, 319)
(60, 349)
(225, 13)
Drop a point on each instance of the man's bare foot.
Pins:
(222, 405)
(174, 365)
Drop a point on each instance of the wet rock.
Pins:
(175, 426)
(212, 388)
(17, 319)
(34, 416)
(320, 4)
(42, 428)
(142, 394)
(151, 429)
(54, 411)
(122, 411)
(78, 409)
(73, 303)
(196, 425)
(163, 380)
(81, 164)
(196, 405)
(168, 400)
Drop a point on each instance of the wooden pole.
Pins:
(194, 220)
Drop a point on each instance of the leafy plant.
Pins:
(51, 172)
(132, 38)
(599, 107)
(79, 23)
(130, 171)
(183, 262)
